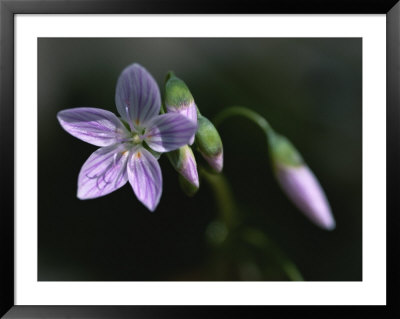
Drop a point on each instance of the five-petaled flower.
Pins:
(128, 146)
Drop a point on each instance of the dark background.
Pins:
(309, 89)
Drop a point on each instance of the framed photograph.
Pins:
(155, 156)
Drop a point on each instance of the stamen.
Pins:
(136, 139)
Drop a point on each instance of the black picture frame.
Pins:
(8, 10)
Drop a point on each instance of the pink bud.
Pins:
(302, 187)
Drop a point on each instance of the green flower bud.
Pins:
(177, 93)
(178, 99)
(209, 143)
(282, 151)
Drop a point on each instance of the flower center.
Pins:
(136, 139)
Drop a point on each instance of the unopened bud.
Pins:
(184, 162)
(209, 143)
(188, 188)
(179, 99)
(299, 183)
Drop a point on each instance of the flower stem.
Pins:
(261, 240)
(226, 201)
(223, 196)
(227, 207)
(247, 113)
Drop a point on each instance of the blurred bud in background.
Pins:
(298, 182)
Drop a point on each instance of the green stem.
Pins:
(261, 240)
(227, 208)
(223, 196)
(247, 113)
(226, 201)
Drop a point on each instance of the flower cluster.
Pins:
(130, 145)
(178, 99)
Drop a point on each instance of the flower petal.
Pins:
(169, 132)
(137, 96)
(189, 111)
(144, 175)
(103, 172)
(95, 126)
